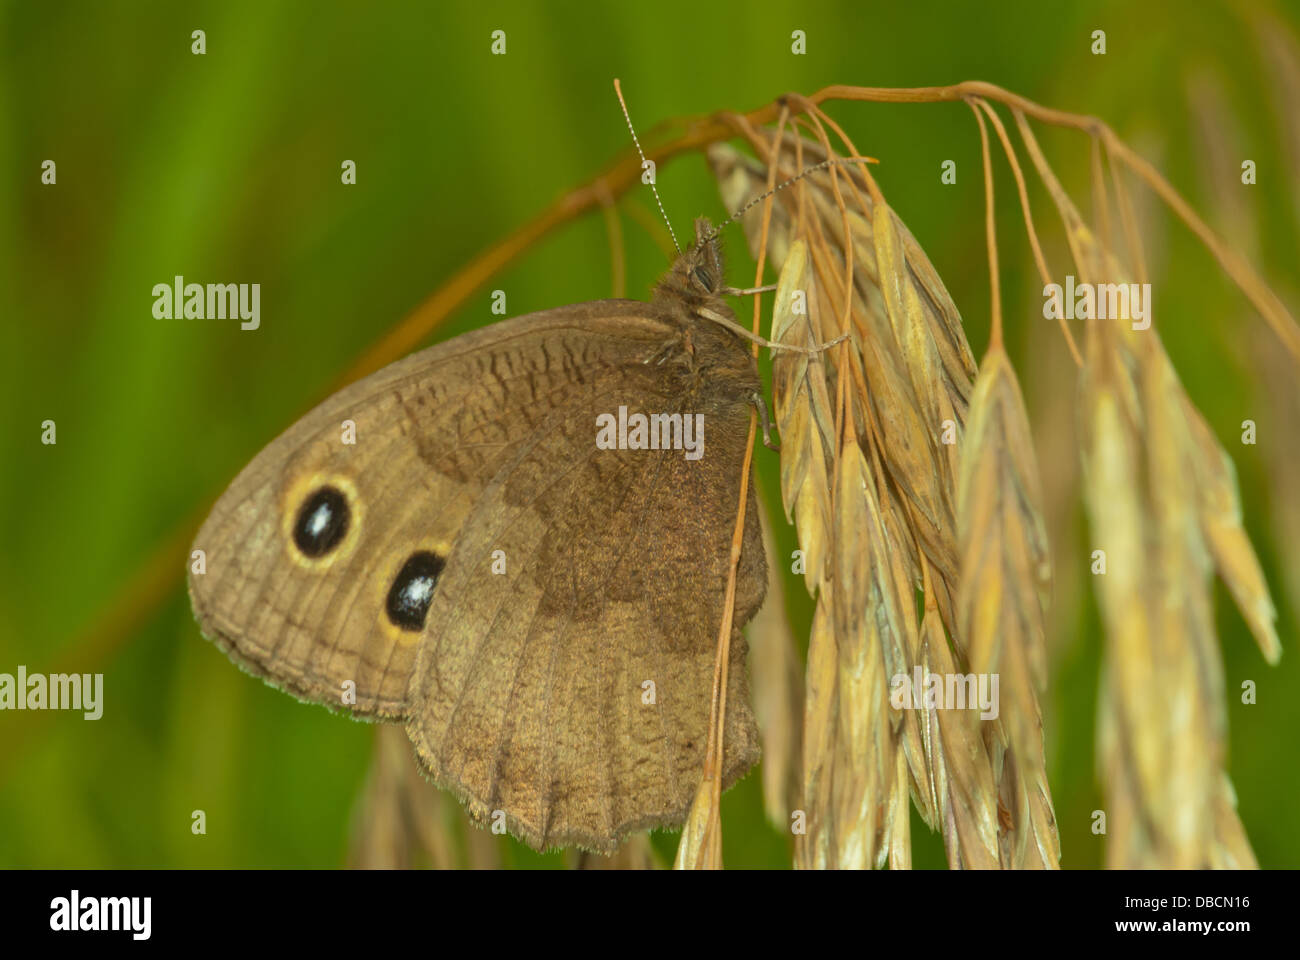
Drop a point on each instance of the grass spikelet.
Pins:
(865, 626)
(814, 849)
(888, 397)
(965, 791)
(700, 846)
(1231, 850)
(1146, 453)
(1002, 599)
(802, 405)
(914, 339)
(1279, 405)
(1006, 575)
(804, 415)
(1218, 505)
(1219, 509)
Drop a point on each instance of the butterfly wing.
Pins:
(307, 549)
(429, 432)
(569, 690)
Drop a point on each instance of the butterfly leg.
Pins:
(736, 328)
(680, 350)
(748, 291)
(666, 350)
(761, 406)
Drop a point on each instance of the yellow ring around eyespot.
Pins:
(383, 584)
(291, 502)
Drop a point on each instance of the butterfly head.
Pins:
(698, 273)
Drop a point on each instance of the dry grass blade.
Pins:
(700, 846)
(1002, 599)
(897, 839)
(776, 687)
(741, 178)
(1031, 231)
(896, 556)
(701, 842)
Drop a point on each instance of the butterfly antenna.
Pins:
(618, 90)
(781, 186)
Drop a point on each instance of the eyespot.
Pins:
(322, 522)
(412, 590)
(703, 278)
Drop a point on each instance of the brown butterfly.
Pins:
(541, 613)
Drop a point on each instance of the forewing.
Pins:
(430, 431)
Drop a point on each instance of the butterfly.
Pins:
(539, 610)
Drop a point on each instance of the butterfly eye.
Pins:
(322, 522)
(703, 278)
(412, 590)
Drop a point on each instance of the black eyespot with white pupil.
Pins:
(322, 522)
(412, 590)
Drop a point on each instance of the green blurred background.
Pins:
(226, 167)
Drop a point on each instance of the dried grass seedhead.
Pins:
(912, 482)
(1163, 503)
(871, 484)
